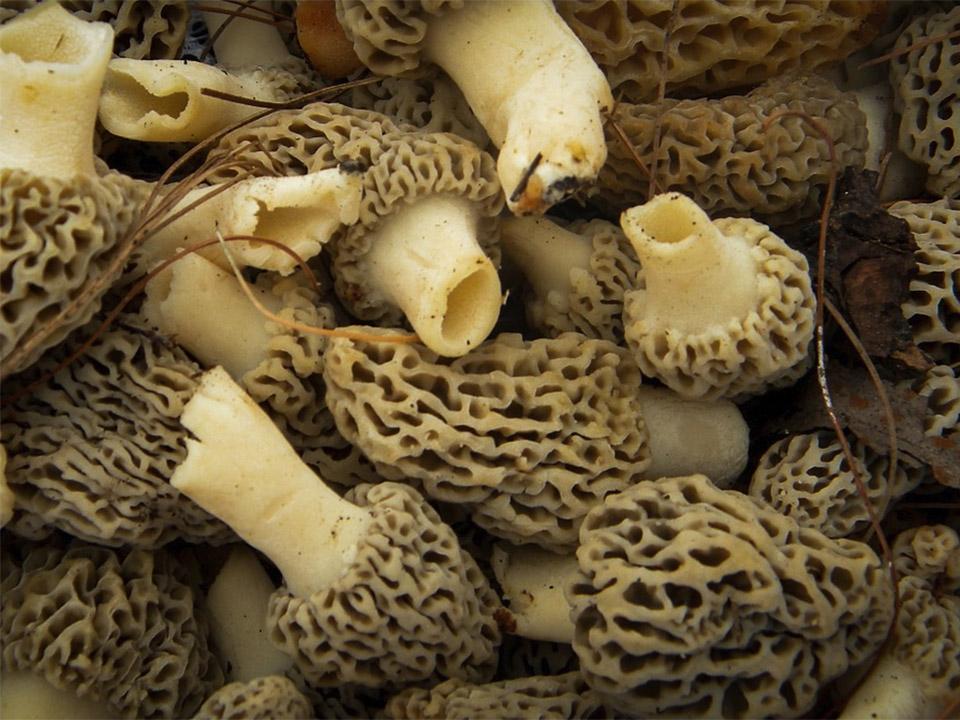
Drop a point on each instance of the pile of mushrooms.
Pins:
(441, 396)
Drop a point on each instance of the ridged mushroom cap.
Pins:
(123, 627)
(698, 602)
(267, 698)
(411, 606)
(530, 435)
(92, 450)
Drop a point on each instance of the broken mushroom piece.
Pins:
(728, 308)
(384, 595)
(530, 82)
(119, 628)
(918, 673)
(698, 602)
(265, 698)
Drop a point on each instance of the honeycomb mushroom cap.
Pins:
(927, 96)
(92, 450)
(941, 387)
(928, 552)
(530, 435)
(698, 602)
(719, 153)
(412, 606)
(267, 698)
(715, 45)
(123, 627)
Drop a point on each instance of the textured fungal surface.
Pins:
(530, 434)
(927, 96)
(715, 44)
(267, 698)
(941, 388)
(92, 450)
(122, 627)
(807, 478)
(698, 602)
(56, 236)
(933, 307)
(558, 696)
(718, 152)
(412, 605)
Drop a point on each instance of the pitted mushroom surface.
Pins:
(273, 697)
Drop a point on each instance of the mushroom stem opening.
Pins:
(545, 253)
(533, 581)
(426, 259)
(28, 695)
(240, 468)
(534, 88)
(206, 311)
(161, 100)
(695, 276)
(244, 43)
(52, 65)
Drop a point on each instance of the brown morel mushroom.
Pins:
(807, 478)
(529, 435)
(578, 274)
(557, 696)
(120, 628)
(728, 308)
(390, 598)
(927, 93)
(530, 82)
(918, 674)
(717, 44)
(62, 214)
(719, 152)
(266, 698)
(92, 450)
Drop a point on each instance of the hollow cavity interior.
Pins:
(138, 101)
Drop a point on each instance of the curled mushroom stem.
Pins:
(533, 581)
(204, 308)
(892, 690)
(534, 88)
(244, 42)
(301, 211)
(545, 253)
(240, 468)
(695, 276)
(52, 65)
(162, 100)
(426, 259)
(27, 694)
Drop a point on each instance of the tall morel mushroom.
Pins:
(272, 697)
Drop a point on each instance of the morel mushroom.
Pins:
(391, 597)
(941, 387)
(119, 628)
(530, 82)
(266, 698)
(728, 307)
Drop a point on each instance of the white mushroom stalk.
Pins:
(52, 65)
(533, 581)
(240, 468)
(244, 42)
(426, 259)
(534, 88)
(300, 211)
(894, 689)
(29, 696)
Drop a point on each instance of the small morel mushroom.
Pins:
(120, 628)
(698, 602)
(918, 674)
(806, 477)
(721, 154)
(266, 698)
(529, 435)
(530, 82)
(927, 93)
(383, 595)
(941, 387)
(717, 44)
(92, 450)
(728, 308)
(557, 696)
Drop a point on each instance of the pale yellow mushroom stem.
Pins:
(545, 253)
(245, 43)
(28, 696)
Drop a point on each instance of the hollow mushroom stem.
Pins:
(240, 468)
(426, 259)
(28, 695)
(301, 211)
(695, 276)
(535, 89)
(52, 65)
(244, 43)
(533, 582)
